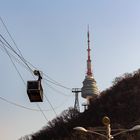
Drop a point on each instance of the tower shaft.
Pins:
(89, 89)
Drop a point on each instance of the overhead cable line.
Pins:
(14, 65)
(21, 106)
(10, 35)
(25, 62)
(57, 90)
(27, 108)
(19, 49)
(14, 43)
(11, 48)
(50, 105)
(50, 79)
(6, 44)
(21, 56)
(42, 112)
(24, 82)
(57, 84)
(15, 58)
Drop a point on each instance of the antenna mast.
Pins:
(89, 71)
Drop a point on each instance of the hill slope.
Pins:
(121, 103)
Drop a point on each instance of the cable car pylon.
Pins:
(76, 103)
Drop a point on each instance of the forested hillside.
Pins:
(121, 103)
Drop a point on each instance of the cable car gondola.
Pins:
(34, 89)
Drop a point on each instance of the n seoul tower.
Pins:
(89, 89)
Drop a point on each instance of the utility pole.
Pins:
(76, 103)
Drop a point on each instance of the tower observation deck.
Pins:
(89, 89)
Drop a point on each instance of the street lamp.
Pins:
(89, 131)
(134, 128)
(106, 122)
(108, 136)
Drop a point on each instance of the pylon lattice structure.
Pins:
(76, 103)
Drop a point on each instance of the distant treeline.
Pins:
(121, 103)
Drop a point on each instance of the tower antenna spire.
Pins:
(89, 71)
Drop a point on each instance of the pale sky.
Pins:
(52, 35)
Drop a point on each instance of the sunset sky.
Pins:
(52, 36)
